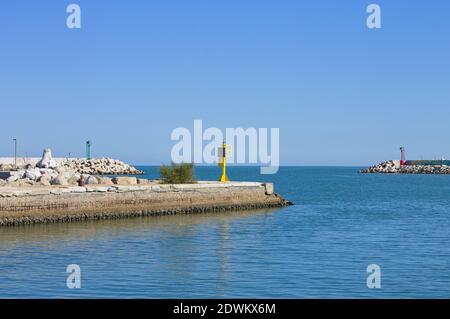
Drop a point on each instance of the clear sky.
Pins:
(341, 94)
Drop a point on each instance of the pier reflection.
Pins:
(169, 227)
(223, 249)
(150, 256)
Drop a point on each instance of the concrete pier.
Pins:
(29, 205)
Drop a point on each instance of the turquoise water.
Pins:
(321, 247)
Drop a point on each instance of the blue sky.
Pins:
(340, 93)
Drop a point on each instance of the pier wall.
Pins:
(63, 204)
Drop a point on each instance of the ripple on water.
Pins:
(321, 247)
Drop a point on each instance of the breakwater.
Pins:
(30, 205)
(94, 166)
(100, 166)
(394, 167)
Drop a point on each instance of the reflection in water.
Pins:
(50, 235)
(138, 257)
(222, 251)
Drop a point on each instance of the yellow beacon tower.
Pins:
(223, 161)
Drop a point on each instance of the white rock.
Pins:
(88, 179)
(59, 180)
(91, 180)
(73, 180)
(15, 176)
(33, 174)
(47, 161)
(45, 180)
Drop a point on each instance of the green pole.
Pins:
(88, 150)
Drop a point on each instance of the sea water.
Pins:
(341, 223)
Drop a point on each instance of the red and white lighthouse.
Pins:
(402, 156)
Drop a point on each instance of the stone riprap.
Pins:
(29, 205)
(95, 166)
(101, 166)
(8, 163)
(47, 171)
(394, 167)
(61, 176)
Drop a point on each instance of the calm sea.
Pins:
(321, 247)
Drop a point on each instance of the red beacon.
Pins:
(402, 156)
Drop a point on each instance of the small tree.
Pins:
(177, 173)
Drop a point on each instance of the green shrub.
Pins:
(177, 173)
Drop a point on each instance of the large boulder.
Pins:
(123, 180)
(12, 178)
(91, 180)
(74, 179)
(59, 180)
(15, 176)
(6, 167)
(33, 174)
(88, 180)
(47, 161)
(45, 180)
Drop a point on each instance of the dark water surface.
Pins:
(321, 247)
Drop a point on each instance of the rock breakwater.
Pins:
(80, 172)
(394, 167)
(101, 166)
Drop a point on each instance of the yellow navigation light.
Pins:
(224, 152)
